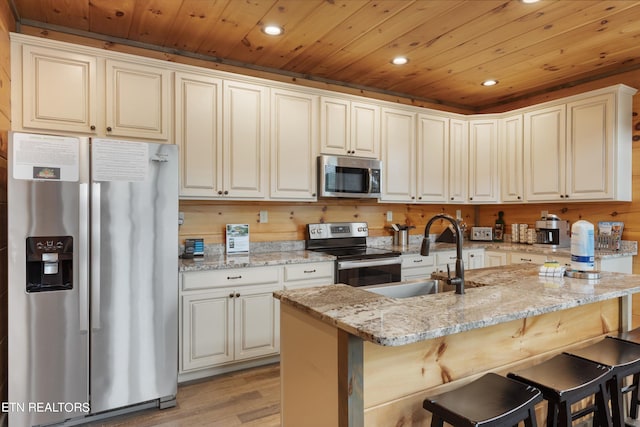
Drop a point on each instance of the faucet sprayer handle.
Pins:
(448, 272)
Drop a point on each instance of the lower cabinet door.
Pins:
(257, 322)
(207, 329)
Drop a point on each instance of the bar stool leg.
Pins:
(633, 404)
(564, 415)
(530, 421)
(436, 421)
(602, 399)
(617, 407)
(552, 415)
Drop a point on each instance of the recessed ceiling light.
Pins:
(272, 30)
(530, 1)
(490, 82)
(399, 60)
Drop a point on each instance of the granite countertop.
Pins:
(223, 261)
(294, 253)
(514, 292)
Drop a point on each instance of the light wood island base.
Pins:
(332, 378)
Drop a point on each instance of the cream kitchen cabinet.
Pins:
(222, 155)
(228, 316)
(472, 258)
(433, 158)
(458, 160)
(70, 91)
(495, 258)
(307, 275)
(511, 159)
(199, 134)
(398, 155)
(580, 150)
(416, 266)
(484, 185)
(349, 127)
(294, 141)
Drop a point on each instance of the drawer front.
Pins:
(417, 261)
(229, 277)
(308, 271)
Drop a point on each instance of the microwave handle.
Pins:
(370, 183)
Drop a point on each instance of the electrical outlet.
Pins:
(458, 214)
(389, 216)
(180, 218)
(264, 217)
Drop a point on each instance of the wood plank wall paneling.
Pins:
(7, 25)
(287, 221)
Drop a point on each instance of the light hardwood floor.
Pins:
(245, 398)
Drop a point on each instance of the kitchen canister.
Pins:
(523, 233)
(515, 233)
(582, 246)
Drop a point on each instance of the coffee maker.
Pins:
(552, 232)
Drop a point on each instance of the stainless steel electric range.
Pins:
(356, 263)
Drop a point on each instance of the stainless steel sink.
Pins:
(410, 288)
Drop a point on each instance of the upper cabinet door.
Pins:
(365, 130)
(137, 100)
(590, 148)
(59, 90)
(433, 158)
(458, 160)
(544, 148)
(398, 154)
(484, 172)
(335, 122)
(349, 128)
(245, 136)
(511, 149)
(294, 142)
(199, 134)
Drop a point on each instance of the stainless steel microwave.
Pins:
(343, 176)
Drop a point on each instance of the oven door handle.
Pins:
(343, 265)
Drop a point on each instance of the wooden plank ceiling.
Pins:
(452, 45)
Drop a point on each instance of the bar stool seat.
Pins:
(623, 357)
(564, 380)
(491, 400)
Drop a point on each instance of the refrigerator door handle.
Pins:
(95, 255)
(83, 258)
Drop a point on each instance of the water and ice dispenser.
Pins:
(49, 263)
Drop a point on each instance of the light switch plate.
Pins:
(389, 216)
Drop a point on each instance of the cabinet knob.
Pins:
(420, 198)
(313, 194)
(519, 197)
(237, 295)
(231, 295)
(109, 129)
(566, 196)
(226, 192)
(452, 198)
(219, 192)
(92, 127)
(413, 197)
(470, 198)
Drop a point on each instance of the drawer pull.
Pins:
(417, 260)
(233, 277)
(310, 271)
(525, 259)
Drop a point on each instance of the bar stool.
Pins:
(634, 337)
(623, 357)
(491, 400)
(564, 380)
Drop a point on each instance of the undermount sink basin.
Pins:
(410, 288)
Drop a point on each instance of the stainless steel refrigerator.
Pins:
(93, 276)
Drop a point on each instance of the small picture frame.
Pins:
(237, 238)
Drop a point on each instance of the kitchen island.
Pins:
(350, 357)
